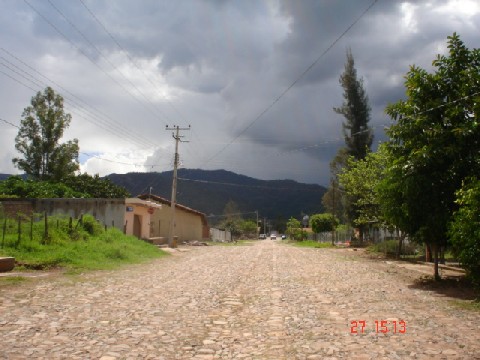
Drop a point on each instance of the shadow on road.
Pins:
(457, 287)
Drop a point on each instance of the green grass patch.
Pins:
(11, 280)
(312, 244)
(85, 246)
(472, 305)
(390, 248)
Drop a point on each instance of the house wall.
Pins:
(188, 225)
(144, 217)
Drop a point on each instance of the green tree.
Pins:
(360, 180)
(15, 186)
(95, 186)
(82, 186)
(38, 139)
(435, 143)
(356, 111)
(233, 219)
(248, 228)
(464, 229)
(294, 228)
(321, 223)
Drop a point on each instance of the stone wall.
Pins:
(109, 212)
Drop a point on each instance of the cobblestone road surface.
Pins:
(265, 301)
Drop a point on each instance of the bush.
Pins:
(390, 248)
(91, 225)
(464, 229)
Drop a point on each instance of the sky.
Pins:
(252, 82)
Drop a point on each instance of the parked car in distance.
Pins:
(273, 237)
(262, 236)
(284, 237)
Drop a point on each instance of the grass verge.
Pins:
(471, 305)
(87, 248)
(312, 244)
(11, 280)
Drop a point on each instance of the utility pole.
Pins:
(177, 137)
(333, 210)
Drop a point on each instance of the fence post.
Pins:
(19, 231)
(31, 227)
(4, 230)
(45, 233)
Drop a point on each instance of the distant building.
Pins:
(149, 217)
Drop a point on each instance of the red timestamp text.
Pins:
(378, 326)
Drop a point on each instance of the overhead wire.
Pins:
(133, 96)
(106, 59)
(243, 185)
(9, 123)
(134, 63)
(105, 122)
(126, 53)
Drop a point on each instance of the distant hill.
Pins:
(6, 176)
(209, 190)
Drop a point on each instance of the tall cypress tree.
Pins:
(358, 139)
(358, 135)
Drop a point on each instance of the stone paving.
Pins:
(265, 301)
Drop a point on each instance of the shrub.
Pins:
(91, 225)
(390, 248)
(464, 229)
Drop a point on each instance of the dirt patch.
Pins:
(419, 275)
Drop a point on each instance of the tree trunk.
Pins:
(400, 245)
(428, 253)
(436, 274)
(360, 234)
(442, 254)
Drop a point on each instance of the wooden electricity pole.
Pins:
(177, 137)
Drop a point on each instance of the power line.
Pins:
(310, 67)
(247, 186)
(105, 121)
(88, 57)
(9, 123)
(104, 57)
(226, 215)
(134, 63)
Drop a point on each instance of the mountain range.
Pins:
(209, 191)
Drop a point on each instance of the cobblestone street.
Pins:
(264, 301)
